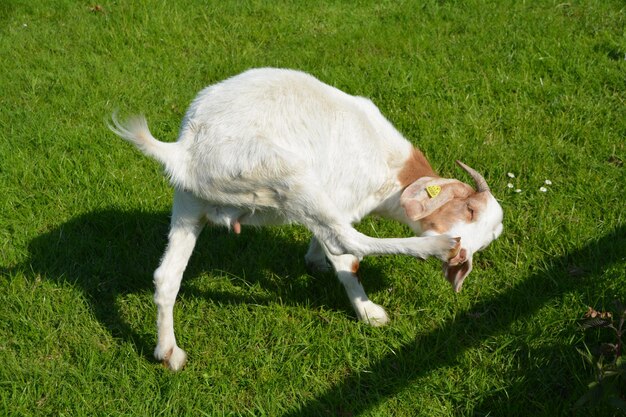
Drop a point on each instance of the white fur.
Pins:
(273, 146)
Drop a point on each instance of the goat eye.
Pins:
(471, 212)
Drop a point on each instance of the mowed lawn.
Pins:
(530, 93)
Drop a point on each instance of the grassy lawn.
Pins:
(536, 89)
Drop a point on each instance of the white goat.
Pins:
(274, 146)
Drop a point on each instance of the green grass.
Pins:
(534, 88)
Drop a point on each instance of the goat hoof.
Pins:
(373, 314)
(445, 247)
(174, 358)
(455, 249)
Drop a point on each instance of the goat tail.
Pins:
(135, 130)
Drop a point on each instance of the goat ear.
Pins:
(426, 195)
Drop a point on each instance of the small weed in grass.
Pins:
(606, 359)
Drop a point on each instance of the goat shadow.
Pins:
(521, 301)
(111, 253)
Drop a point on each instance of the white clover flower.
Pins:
(518, 190)
(510, 175)
(543, 189)
(509, 185)
(548, 182)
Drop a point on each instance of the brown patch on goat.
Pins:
(415, 168)
(355, 269)
(459, 209)
(355, 266)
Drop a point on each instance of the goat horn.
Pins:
(481, 184)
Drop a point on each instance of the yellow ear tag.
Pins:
(433, 190)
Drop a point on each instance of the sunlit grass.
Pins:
(535, 89)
